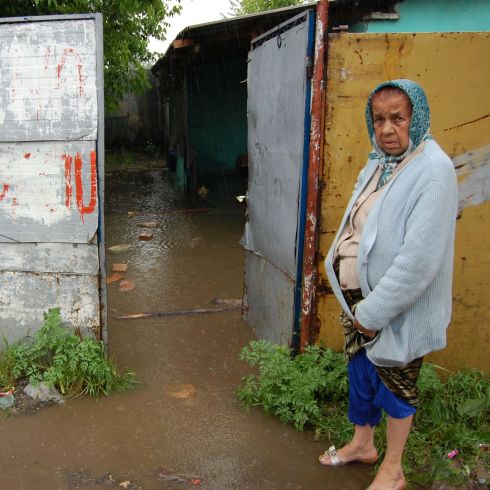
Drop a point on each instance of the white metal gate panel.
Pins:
(51, 160)
(277, 96)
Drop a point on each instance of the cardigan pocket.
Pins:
(391, 347)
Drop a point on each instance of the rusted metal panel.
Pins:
(449, 67)
(24, 297)
(64, 258)
(48, 192)
(48, 81)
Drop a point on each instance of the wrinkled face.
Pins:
(392, 112)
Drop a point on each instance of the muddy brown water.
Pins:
(184, 417)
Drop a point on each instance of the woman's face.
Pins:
(392, 111)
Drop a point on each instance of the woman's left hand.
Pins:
(367, 333)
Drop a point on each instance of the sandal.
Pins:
(335, 460)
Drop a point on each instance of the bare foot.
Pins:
(350, 453)
(388, 479)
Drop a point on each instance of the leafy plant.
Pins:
(292, 388)
(74, 365)
(312, 388)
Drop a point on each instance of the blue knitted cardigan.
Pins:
(405, 257)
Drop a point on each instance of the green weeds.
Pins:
(75, 366)
(311, 390)
(293, 388)
(120, 157)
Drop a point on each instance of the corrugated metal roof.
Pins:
(245, 18)
(238, 29)
(232, 26)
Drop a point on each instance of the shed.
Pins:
(202, 85)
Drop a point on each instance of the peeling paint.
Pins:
(59, 103)
(311, 219)
(51, 290)
(473, 170)
(4, 191)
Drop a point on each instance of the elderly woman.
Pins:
(390, 267)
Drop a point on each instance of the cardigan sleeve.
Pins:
(428, 228)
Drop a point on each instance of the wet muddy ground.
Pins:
(182, 428)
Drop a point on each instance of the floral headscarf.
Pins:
(419, 123)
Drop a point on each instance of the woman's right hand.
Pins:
(367, 333)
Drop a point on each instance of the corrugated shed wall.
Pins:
(49, 203)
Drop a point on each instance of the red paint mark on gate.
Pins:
(5, 190)
(61, 65)
(79, 184)
(47, 55)
(82, 209)
(80, 78)
(68, 186)
(27, 155)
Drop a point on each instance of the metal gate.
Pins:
(51, 173)
(278, 144)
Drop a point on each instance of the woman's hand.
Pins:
(367, 333)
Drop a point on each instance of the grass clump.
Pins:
(311, 390)
(75, 366)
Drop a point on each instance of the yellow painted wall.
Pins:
(452, 69)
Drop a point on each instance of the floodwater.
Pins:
(183, 418)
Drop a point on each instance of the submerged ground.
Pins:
(182, 428)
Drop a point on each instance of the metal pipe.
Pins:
(307, 334)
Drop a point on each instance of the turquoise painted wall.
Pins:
(217, 114)
(179, 177)
(434, 16)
